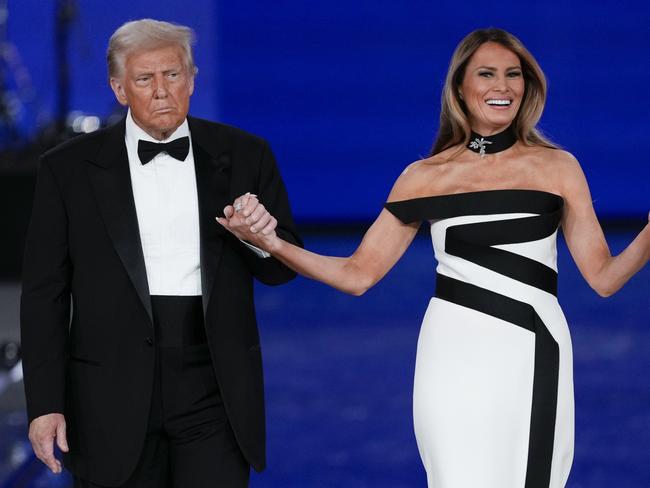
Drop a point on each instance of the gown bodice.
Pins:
(511, 233)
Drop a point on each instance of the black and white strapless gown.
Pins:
(493, 396)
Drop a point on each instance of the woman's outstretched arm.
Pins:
(605, 273)
(382, 246)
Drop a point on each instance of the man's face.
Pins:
(156, 86)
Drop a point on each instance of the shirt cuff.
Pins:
(261, 253)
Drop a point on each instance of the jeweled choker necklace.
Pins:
(492, 144)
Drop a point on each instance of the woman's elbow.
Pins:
(359, 286)
(604, 290)
(601, 281)
(605, 293)
(357, 291)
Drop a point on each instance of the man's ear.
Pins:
(118, 90)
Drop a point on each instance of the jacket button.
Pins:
(149, 341)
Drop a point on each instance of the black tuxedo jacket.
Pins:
(86, 319)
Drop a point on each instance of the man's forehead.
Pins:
(155, 58)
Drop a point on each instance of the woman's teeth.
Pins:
(498, 102)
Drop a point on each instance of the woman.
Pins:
(493, 394)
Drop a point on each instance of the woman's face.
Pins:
(492, 88)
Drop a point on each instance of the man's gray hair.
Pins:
(146, 34)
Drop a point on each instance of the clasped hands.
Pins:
(248, 220)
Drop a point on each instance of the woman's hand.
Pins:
(248, 220)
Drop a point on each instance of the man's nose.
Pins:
(159, 86)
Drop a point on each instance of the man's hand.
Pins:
(43, 431)
(249, 221)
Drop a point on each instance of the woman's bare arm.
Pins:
(382, 246)
(605, 273)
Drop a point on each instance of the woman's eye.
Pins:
(514, 74)
(485, 74)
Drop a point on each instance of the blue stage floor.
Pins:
(339, 373)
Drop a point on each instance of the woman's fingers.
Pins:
(249, 205)
(247, 217)
(245, 204)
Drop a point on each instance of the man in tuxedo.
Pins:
(141, 351)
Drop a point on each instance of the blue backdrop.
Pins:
(348, 93)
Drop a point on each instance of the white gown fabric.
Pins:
(493, 396)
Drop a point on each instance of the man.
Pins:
(141, 351)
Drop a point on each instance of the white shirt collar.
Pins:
(134, 132)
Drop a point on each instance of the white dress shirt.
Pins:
(166, 203)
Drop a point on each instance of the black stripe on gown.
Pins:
(473, 242)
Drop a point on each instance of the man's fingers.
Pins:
(46, 449)
(44, 431)
(256, 214)
(61, 438)
(45, 452)
(247, 216)
(261, 222)
(270, 227)
(54, 465)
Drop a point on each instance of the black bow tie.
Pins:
(177, 149)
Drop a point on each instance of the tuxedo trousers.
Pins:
(189, 441)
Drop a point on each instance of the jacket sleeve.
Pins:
(45, 300)
(273, 195)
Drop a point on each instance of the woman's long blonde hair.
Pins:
(454, 121)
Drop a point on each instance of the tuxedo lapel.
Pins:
(111, 182)
(212, 165)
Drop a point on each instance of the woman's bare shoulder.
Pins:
(569, 173)
(558, 168)
(558, 158)
(418, 178)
